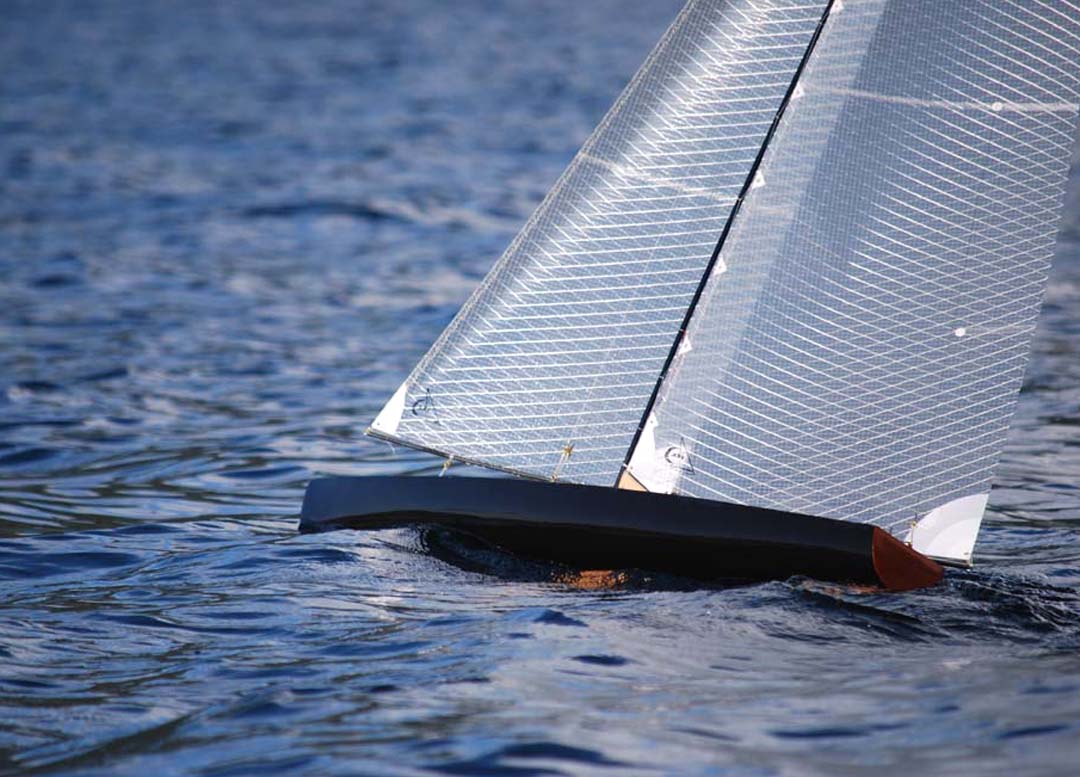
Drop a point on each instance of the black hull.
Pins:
(605, 528)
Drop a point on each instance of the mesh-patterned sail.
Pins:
(550, 365)
(858, 350)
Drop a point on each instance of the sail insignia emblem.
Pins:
(424, 405)
(678, 458)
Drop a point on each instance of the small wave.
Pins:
(533, 754)
(318, 208)
(26, 456)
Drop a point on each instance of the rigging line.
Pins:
(751, 176)
(393, 439)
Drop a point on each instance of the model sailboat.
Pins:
(774, 316)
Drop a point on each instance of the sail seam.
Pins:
(638, 173)
(994, 106)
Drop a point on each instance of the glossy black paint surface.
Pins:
(602, 528)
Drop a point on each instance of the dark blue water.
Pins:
(227, 230)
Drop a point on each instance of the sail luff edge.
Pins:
(751, 178)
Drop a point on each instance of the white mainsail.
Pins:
(861, 354)
(547, 369)
(873, 188)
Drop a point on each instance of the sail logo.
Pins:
(678, 458)
(425, 405)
